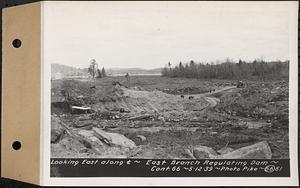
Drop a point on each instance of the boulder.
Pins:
(113, 139)
(188, 154)
(225, 150)
(99, 133)
(86, 133)
(203, 152)
(259, 150)
(121, 140)
(141, 137)
(160, 118)
(57, 130)
(89, 137)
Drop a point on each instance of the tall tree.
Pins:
(92, 70)
(103, 72)
(99, 74)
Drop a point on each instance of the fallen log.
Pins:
(80, 110)
(142, 117)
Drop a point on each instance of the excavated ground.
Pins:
(166, 125)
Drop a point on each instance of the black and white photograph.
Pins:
(169, 80)
(149, 93)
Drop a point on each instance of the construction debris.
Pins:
(80, 110)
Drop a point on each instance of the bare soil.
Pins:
(159, 109)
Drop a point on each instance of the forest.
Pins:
(228, 69)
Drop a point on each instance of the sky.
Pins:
(150, 34)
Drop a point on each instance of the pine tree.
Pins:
(99, 74)
(229, 70)
(103, 72)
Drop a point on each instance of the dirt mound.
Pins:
(140, 101)
(113, 97)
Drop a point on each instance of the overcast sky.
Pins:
(149, 34)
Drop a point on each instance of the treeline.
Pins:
(229, 70)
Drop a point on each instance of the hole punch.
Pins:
(17, 43)
(16, 145)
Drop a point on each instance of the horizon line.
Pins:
(184, 62)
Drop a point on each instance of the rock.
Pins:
(203, 152)
(113, 139)
(161, 118)
(102, 135)
(143, 138)
(80, 97)
(259, 150)
(89, 137)
(86, 133)
(121, 140)
(57, 130)
(123, 110)
(225, 150)
(96, 140)
(138, 139)
(67, 147)
(187, 153)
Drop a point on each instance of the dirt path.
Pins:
(215, 92)
(213, 101)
